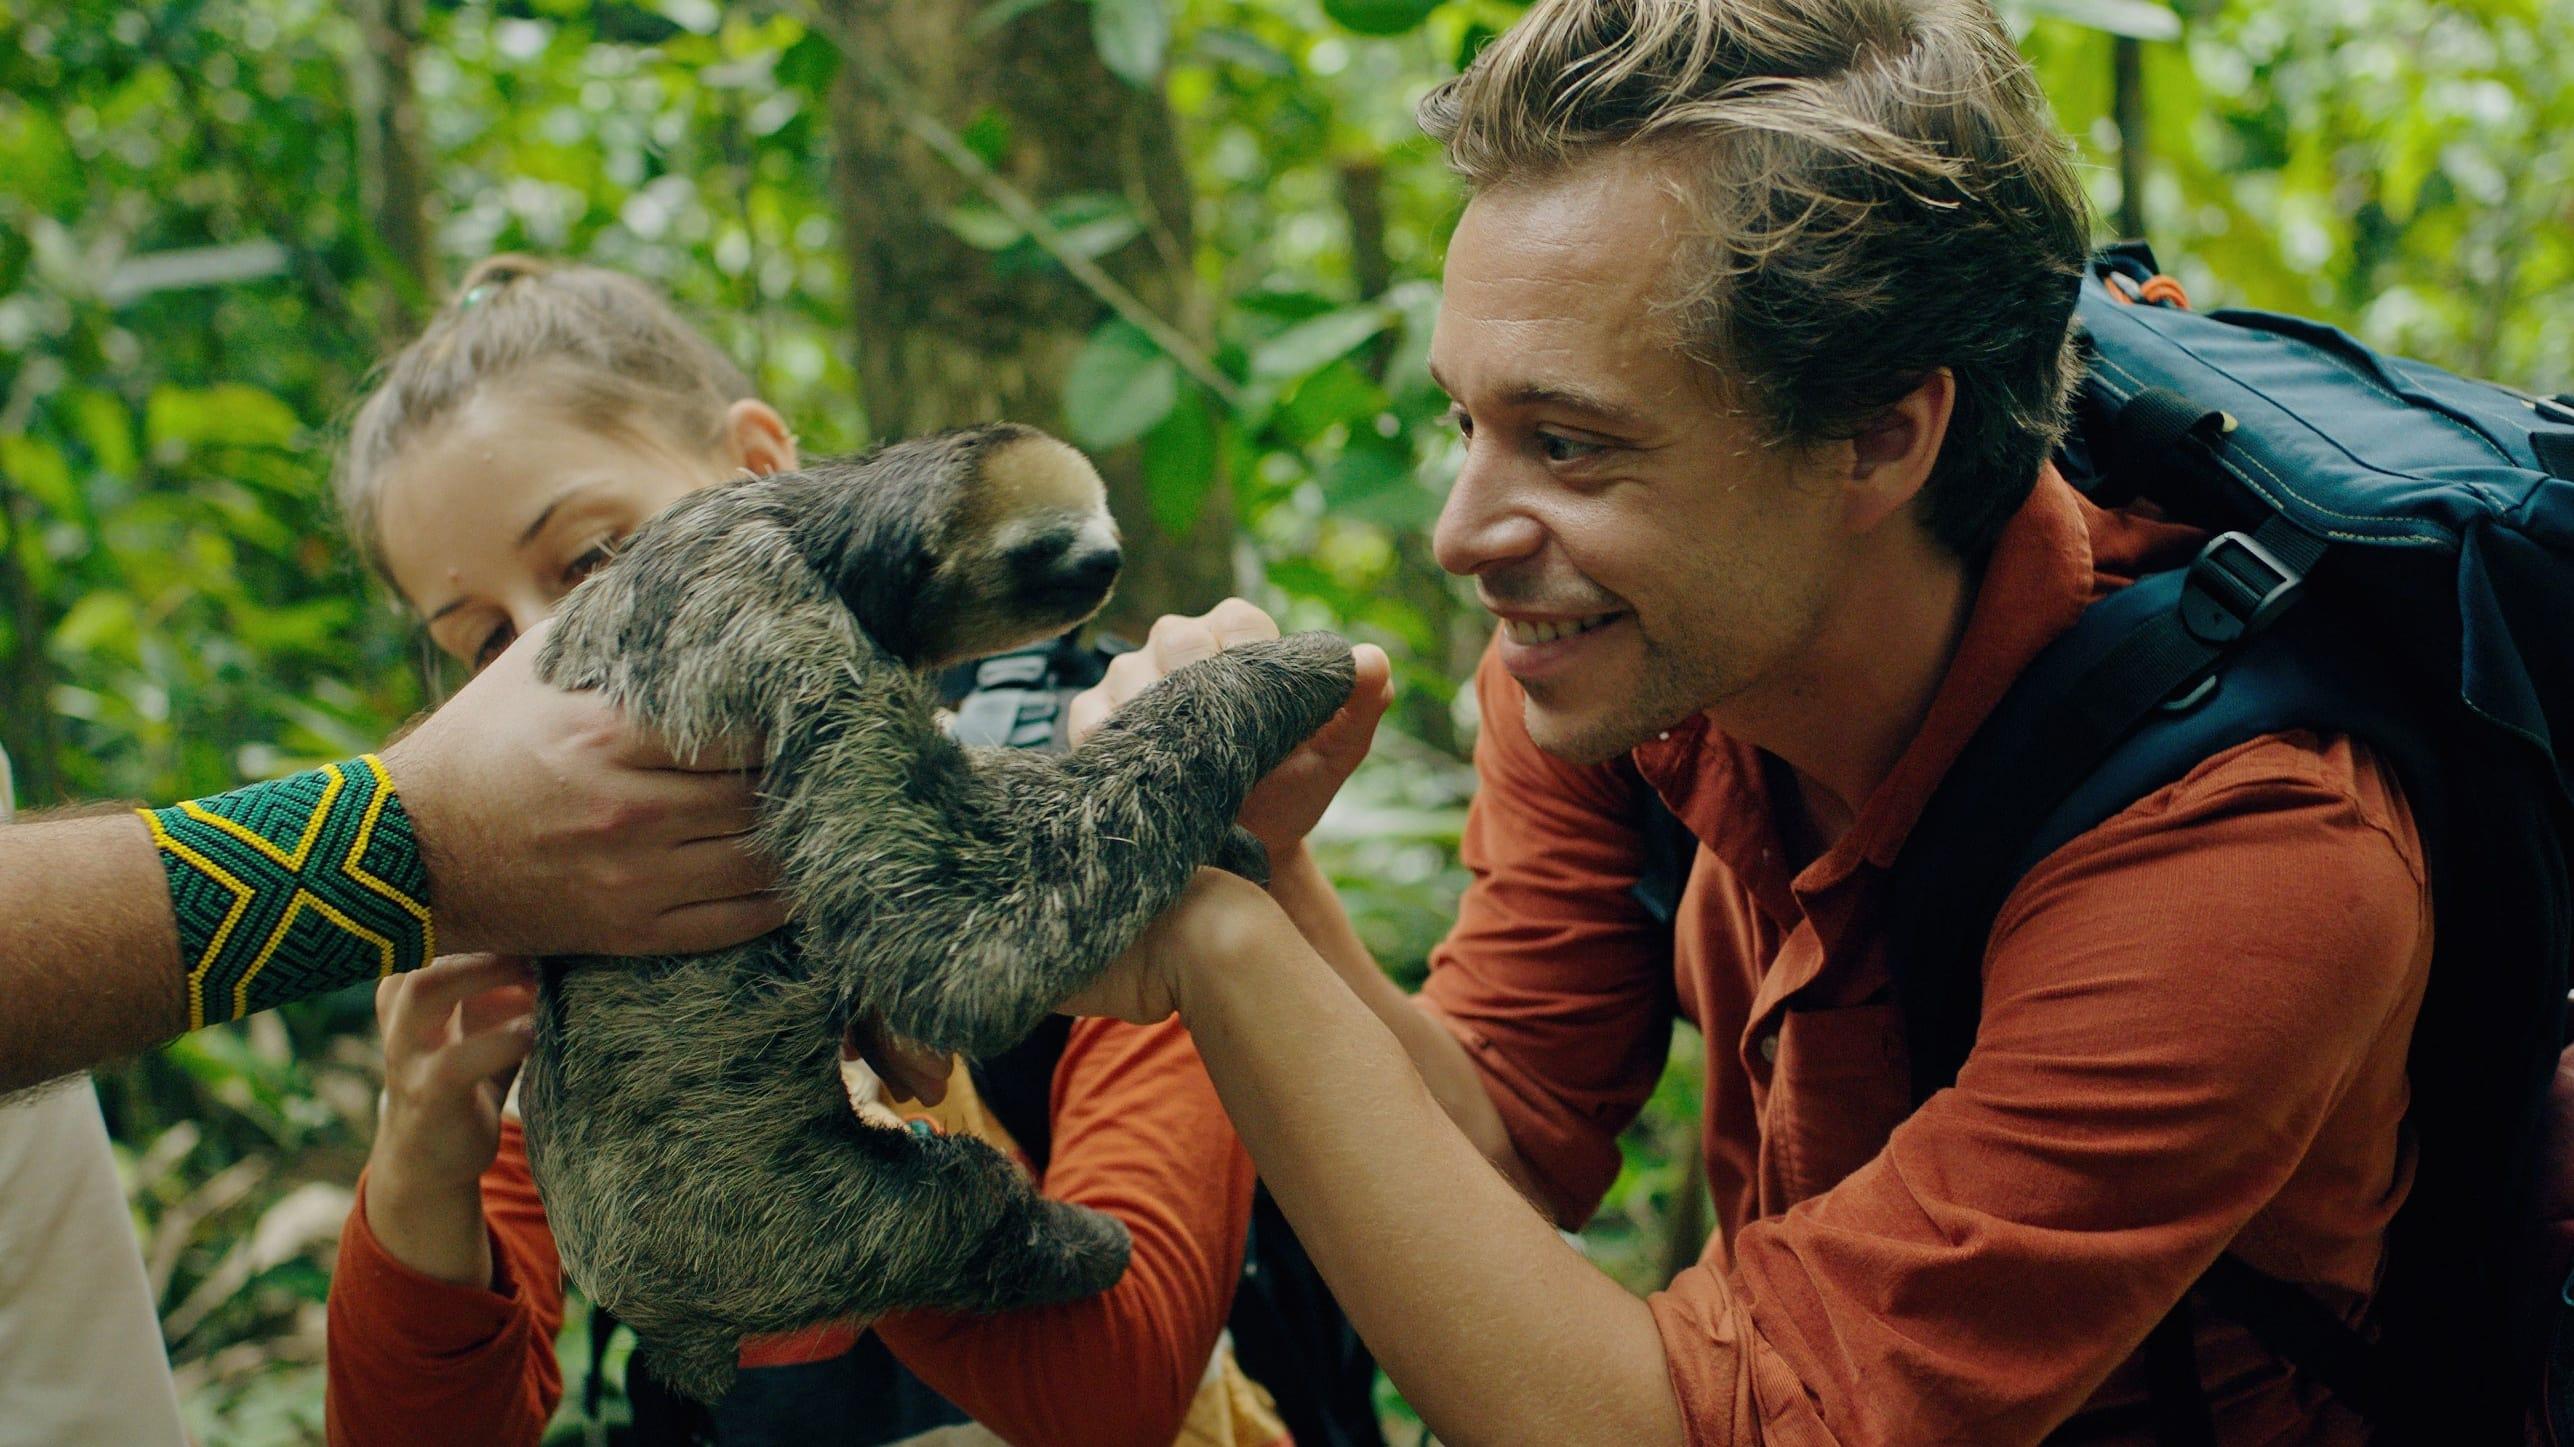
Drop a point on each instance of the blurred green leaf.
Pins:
(1119, 387)
(1374, 481)
(981, 225)
(1308, 345)
(2135, 19)
(36, 468)
(108, 429)
(809, 65)
(98, 622)
(178, 419)
(1180, 465)
(1000, 13)
(1380, 17)
(1131, 36)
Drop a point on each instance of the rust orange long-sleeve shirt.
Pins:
(1138, 1133)
(2195, 1025)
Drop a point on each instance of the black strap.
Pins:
(2172, 1386)
(2295, 1326)
(1971, 849)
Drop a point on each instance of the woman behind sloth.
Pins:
(543, 415)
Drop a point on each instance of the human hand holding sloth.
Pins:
(686, 1118)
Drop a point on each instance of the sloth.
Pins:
(687, 1122)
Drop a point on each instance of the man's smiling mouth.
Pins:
(1549, 630)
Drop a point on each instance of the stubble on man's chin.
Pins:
(1582, 743)
(1657, 709)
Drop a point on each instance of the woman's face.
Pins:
(493, 515)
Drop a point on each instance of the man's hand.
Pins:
(455, 1033)
(549, 825)
(1285, 806)
(1216, 920)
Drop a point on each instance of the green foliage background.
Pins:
(193, 290)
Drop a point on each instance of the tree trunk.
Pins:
(2127, 109)
(393, 177)
(945, 336)
(26, 686)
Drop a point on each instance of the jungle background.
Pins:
(1200, 237)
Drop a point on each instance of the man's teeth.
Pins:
(1548, 632)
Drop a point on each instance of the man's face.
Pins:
(1649, 558)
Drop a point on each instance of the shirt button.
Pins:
(1770, 1047)
(1665, 736)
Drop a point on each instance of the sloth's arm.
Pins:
(969, 899)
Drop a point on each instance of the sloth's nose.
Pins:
(1092, 569)
(1071, 568)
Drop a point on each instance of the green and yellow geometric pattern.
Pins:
(291, 888)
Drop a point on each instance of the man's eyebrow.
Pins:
(1573, 399)
(1560, 396)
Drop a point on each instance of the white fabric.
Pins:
(81, 1358)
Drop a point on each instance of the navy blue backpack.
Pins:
(2392, 557)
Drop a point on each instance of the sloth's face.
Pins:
(972, 543)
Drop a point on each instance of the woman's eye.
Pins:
(1456, 417)
(492, 646)
(592, 559)
(1555, 447)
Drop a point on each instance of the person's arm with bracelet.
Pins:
(518, 818)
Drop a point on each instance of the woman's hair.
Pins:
(1874, 191)
(602, 346)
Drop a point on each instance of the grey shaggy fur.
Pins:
(686, 1118)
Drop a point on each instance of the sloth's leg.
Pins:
(1048, 868)
(696, 1362)
(861, 1220)
(752, 1200)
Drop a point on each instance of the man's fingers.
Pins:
(723, 756)
(676, 804)
(714, 924)
(721, 868)
(1088, 711)
(1235, 621)
(1128, 675)
(1176, 642)
(1353, 729)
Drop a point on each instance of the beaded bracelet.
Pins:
(294, 887)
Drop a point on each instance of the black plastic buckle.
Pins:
(2235, 588)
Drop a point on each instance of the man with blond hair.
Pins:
(1757, 326)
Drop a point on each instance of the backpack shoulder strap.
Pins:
(2128, 700)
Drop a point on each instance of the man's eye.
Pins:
(492, 647)
(1555, 447)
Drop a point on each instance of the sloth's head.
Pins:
(964, 544)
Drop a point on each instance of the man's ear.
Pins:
(756, 438)
(1892, 455)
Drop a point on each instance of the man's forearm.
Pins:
(1307, 896)
(89, 961)
(1494, 1328)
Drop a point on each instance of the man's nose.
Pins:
(1481, 526)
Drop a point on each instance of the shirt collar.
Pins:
(2036, 582)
